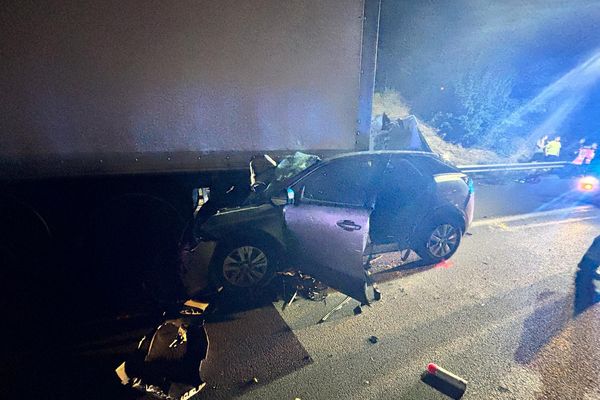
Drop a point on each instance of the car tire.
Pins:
(245, 264)
(439, 241)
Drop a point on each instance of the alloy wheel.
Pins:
(245, 266)
(443, 240)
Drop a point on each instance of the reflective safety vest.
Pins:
(553, 148)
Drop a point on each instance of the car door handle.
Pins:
(348, 225)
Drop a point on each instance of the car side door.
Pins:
(328, 224)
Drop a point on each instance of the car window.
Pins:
(345, 181)
(427, 164)
(399, 168)
(401, 182)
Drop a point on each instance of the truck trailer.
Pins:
(112, 114)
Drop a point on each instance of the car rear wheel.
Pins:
(245, 265)
(439, 242)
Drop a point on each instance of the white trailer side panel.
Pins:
(124, 79)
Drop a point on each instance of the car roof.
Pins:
(402, 153)
(428, 161)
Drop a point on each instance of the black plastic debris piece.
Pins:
(376, 293)
(373, 339)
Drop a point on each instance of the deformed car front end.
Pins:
(243, 227)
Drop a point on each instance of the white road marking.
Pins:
(538, 214)
(548, 223)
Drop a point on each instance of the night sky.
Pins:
(429, 45)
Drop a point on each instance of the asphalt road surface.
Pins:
(500, 314)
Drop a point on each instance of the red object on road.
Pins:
(444, 381)
(432, 368)
(444, 264)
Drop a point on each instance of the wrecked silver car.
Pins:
(322, 219)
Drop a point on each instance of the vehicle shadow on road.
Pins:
(250, 344)
(562, 344)
(402, 270)
(543, 325)
(561, 340)
(551, 319)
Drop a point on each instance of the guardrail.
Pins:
(511, 167)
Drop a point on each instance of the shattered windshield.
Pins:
(293, 165)
(287, 168)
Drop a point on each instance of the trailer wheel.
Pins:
(25, 234)
(134, 247)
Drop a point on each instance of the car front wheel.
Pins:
(244, 265)
(439, 242)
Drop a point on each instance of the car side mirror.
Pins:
(278, 201)
(284, 198)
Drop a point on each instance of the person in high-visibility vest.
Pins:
(552, 149)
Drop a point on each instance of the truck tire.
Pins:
(134, 248)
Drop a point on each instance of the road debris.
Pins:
(194, 307)
(336, 308)
(373, 339)
(303, 285)
(444, 381)
(167, 361)
(503, 389)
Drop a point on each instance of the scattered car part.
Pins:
(194, 308)
(168, 360)
(336, 308)
(304, 285)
